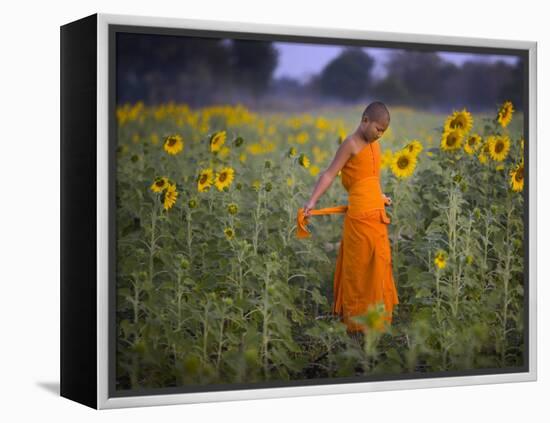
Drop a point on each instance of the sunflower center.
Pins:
(499, 146)
(203, 178)
(159, 183)
(223, 176)
(403, 162)
(451, 140)
(519, 175)
(471, 141)
(171, 142)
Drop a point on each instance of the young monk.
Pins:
(363, 275)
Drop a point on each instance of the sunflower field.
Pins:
(214, 287)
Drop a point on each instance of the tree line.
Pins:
(204, 71)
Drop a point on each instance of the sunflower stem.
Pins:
(134, 377)
(152, 246)
(452, 223)
(396, 233)
(220, 344)
(257, 225)
(205, 332)
(506, 276)
(257, 216)
(189, 233)
(179, 295)
(265, 326)
(438, 298)
(484, 265)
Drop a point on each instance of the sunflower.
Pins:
(224, 152)
(498, 147)
(386, 159)
(484, 153)
(256, 185)
(160, 184)
(375, 317)
(341, 135)
(170, 196)
(232, 208)
(302, 137)
(238, 141)
(505, 112)
(440, 259)
(303, 160)
(403, 164)
(122, 149)
(414, 147)
(292, 152)
(459, 120)
(173, 144)
(216, 141)
(521, 148)
(516, 177)
(224, 178)
(482, 157)
(452, 139)
(229, 233)
(205, 179)
(472, 143)
(521, 143)
(314, 170)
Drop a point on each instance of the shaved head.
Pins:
(376, 112)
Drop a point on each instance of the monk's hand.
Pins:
(308, 207)
(387, 200)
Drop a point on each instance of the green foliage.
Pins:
(195, 307)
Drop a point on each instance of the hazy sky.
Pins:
(300, 61)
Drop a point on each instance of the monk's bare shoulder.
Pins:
(353, 146)
(343, 154)
(347, 148)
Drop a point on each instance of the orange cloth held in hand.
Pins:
(303, 221)
(363, 275)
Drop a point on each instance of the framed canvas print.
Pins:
(258, 211)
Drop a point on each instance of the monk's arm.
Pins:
(321, 186)
(327, 176)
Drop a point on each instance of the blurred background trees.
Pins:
(205, 71)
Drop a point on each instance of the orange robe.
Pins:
(363, 275)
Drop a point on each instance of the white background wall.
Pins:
(29, 286)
